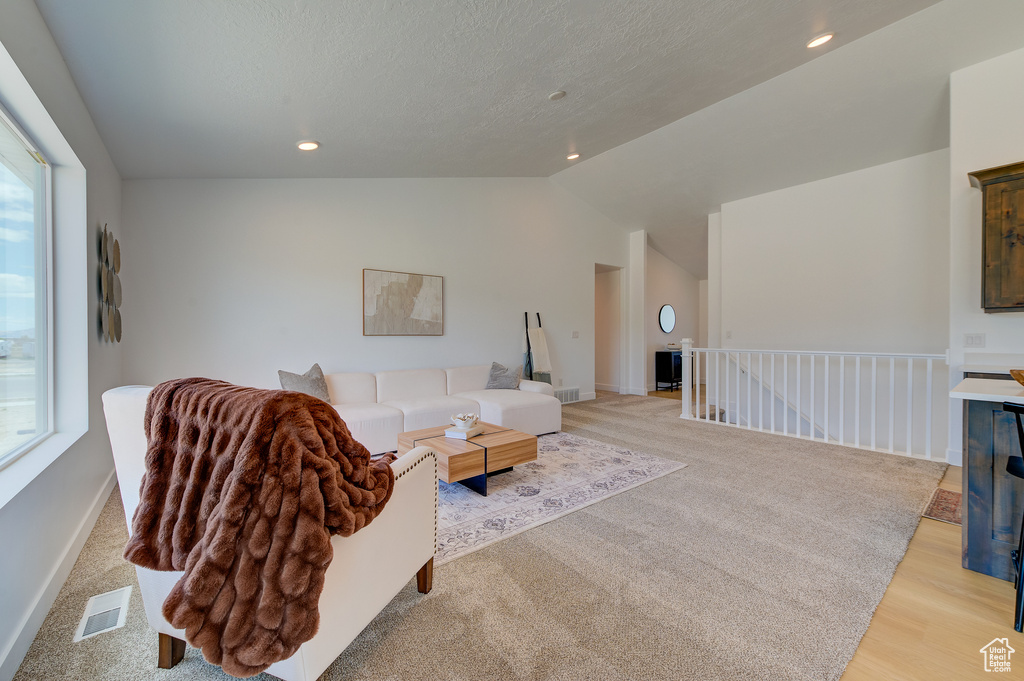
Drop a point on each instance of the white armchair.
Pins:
(368, 569)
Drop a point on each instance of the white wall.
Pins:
(241, 278)
(986, 101)
(668, 284)
(634, 315)
(852, 263)
(702, 325)
(43, 527)
(715, 280)
(849, 263)
(702, 313)
(607, 329)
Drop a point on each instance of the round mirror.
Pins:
(667, 318)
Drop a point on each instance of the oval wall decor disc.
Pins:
(110, 286)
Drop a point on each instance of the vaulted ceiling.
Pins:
(674, 105)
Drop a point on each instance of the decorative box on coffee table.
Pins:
(472, 461)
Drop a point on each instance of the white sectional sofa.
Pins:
(378, 407)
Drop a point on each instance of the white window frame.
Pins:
(46, 263)
(70, 284)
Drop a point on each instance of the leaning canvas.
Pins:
(402, 304)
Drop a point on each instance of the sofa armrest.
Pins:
(414, 457)
(536, 387)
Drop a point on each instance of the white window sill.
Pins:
(23, 470)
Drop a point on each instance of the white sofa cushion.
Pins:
(428, 412)
(464, 379)
(530, 412)
(351, 387)
(375, 426)
(537, 387)
(412, 384)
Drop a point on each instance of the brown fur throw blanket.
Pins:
(243, 490)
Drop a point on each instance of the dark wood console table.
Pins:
(668, 368)
(993, 500)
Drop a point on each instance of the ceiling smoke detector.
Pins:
(554, 96)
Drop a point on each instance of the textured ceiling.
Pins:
(392, 88)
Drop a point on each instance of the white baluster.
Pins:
(785, 394)
(874, 394)
(842, 399)
(928, 415)
(727, 405)
(828, 390)
(910, 405)
(686, 378)
(892, 403)
(718, 382)
(812, 398)
(799, 400)
(856, 406)
(760, 391)
(750, 415)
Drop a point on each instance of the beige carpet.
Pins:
(763, 559)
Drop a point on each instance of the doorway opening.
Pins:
(608, 342)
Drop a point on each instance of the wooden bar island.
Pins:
(993, 500)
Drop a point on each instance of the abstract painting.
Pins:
(402, 304)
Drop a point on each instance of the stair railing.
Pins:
(895, 402)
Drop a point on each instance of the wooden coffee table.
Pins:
(470, 462)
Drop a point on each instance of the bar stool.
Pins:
(1015, 467)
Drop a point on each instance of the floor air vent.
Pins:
(103, 613)
(566, 395)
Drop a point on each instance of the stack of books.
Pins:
(464, 434)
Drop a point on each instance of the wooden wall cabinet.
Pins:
(1002, 251)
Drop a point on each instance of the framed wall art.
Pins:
(402, 304)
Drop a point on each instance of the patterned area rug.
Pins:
(570, 473)
(945, 506)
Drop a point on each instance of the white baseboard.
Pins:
(606, 387)
(27, 629)
(954, 457)
(588, 396)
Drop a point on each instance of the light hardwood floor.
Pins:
(936, 616)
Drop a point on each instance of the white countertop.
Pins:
(989, 390)
(988, 368)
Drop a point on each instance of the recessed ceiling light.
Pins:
(556, 95)
(308, 145)
(572, 157)
(820, 40)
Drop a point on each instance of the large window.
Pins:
(24, 308)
